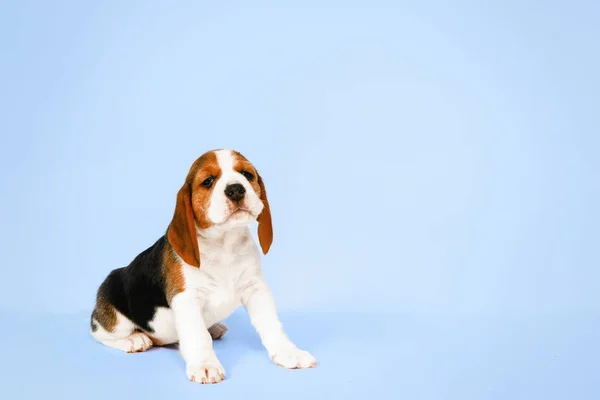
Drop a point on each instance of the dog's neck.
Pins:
(219, 240)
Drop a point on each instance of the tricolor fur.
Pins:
(204, 267)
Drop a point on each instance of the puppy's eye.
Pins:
(247, 175)
(207, 183)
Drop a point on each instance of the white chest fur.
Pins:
(228, 261)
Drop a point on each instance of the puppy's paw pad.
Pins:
(138, 342)
(209, 372)
(294, 359)
(217, 330)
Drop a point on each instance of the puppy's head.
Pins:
(222, 190)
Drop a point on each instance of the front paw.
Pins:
(208, 372)
(293, 358)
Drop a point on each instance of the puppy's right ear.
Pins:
(182, 230)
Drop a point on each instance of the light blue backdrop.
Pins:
(421, 158)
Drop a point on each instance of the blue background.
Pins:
(433, 169)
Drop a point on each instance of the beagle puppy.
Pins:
(198, 273)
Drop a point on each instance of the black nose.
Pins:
(235, 192)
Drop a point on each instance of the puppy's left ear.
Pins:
(265, 226)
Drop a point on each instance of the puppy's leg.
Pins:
(217, 330)
(195, 342)
(259, 302)
(113, 329)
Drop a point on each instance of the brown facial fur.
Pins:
(192, 200)
(204, 167)
(265, 225)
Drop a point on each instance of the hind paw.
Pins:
(137, 342)
(217, 330)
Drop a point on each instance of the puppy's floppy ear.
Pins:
(265, 226)
(182, 230)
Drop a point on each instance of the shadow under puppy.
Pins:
(198, 273)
